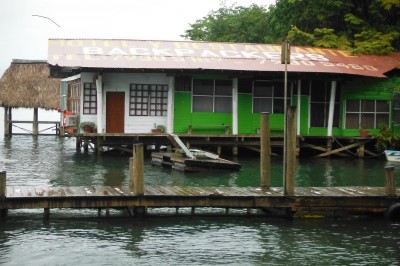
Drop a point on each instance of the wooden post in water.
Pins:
(35, 123)
(290, 155)
(137, 170)
(265, 155)
(3, 184)
(3, 191)
(390, 181)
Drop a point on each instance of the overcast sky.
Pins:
(24, 36)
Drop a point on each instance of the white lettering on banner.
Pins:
(208, 53)
(272, 55)
(92, 50)
(317, 57)
(161, 52)
(230, 54)
(139, 51)
(251, 54)
(350, 66)
(117, 51)
(202, 55)
(183, 52)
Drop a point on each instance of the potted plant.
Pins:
(87, 127)
(158, 129)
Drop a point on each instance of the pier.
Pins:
(138, 199)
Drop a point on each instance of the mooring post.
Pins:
(3, 191)
(3, 184)
(290, 151)
(137, 169)
(265, 156)
(390, 181)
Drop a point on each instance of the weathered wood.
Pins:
(35, 124)
(290, 151)
(342, 149)
(3, 184)
(390, 181)
(138, 169)
(265, 155)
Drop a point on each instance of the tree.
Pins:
(362, 26)
(230, 24)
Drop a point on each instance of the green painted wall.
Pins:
(202, 122)
(182, 111)
(367, 89)
(376, 89)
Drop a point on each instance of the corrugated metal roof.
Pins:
(142, 54)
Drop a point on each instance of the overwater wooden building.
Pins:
(193, 88)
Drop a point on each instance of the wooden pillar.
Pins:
(35, 124)
(7, 121)
(137, 170)
(219, 150)
(361, 151)
(290, 155)
(3, 192)
(99, 146)
(265, 156)
(46, 213)
(390, 181)
(85, 144)
(235, 151)
(3, 184)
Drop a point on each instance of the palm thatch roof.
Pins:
(27, 83)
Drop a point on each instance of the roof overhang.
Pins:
(138, 55)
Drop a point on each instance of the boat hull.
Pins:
(392, 155)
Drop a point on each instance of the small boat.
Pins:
(191, 160)
(392, 155)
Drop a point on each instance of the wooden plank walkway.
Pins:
(349, 199)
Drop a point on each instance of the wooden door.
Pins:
(115, 112)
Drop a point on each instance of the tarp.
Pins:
(157, 55)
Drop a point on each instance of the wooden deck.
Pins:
(312, 199)
(229, 143)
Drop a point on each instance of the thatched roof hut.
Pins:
(27, 83)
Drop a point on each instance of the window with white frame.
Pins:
(214, 96)
(148, 100)
(367, 114)
(89, 98)
(268, 96)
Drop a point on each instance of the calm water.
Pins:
(80, 237)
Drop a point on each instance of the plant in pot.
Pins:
(87, 127)
(158, 129)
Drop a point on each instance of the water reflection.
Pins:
(53, 161)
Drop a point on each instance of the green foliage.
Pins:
(371, 41)
(230, 24)
(300, 37)
(364, 27)
(387, 139)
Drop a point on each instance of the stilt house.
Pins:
(132, 86)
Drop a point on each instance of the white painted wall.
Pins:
(119, 82)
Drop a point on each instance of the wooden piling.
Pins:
(290, 151)
(3, 184)
(137, 170)
(265, 156)
(3, 191)
(390, 181)
(35, 123)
